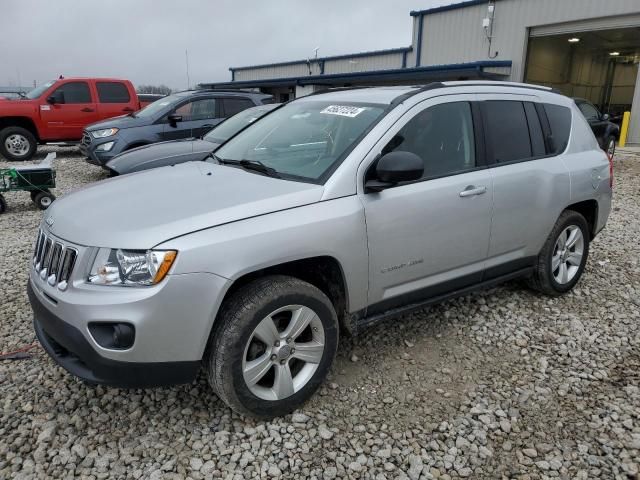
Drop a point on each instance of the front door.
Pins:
(74, 109)
(198, 117)
(429, 237)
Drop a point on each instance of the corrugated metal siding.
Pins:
(284, 71)
(361, 64)
(357, 63)
(457, 36)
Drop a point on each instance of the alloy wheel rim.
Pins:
(45, 201)
(611, 148)
(17, 145)
(283, 352)
(567, 254)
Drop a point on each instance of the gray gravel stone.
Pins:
(466, 389)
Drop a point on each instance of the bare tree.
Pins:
(160, 89)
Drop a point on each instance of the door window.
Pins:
(74, 92)
(113, 92)
(560, 125)
(235, 105)
(535, 130)
(589, 111)
(508, 131)
(442, 136)
(201, 109)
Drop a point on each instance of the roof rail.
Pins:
(224, 90)
(418, 89)
(498, 83)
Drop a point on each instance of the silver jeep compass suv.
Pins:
(330, 213)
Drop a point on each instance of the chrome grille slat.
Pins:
(53, 260)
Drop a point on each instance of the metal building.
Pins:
(584, 48)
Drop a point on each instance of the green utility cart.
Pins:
(35, 179)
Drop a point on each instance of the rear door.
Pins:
(233, 105)
(114, 99)
(431, 236)
(530, 182)
(199, 115)
(67, 119)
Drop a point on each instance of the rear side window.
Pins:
(75, 92)
(560, 125)
(508, 131)
(113, 92)
(231, 106)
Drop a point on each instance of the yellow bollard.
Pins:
(624, 129)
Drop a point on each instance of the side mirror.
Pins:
(393, 168)
(57, 97)
(605, 117)
(174, 119)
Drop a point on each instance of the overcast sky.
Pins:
(145, 40)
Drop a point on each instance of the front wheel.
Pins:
(272, 347)
(17, 143)
(564, 255)
(3, 204)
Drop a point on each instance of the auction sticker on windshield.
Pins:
(343, 110)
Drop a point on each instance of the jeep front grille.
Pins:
(53, 260)
(86, 139)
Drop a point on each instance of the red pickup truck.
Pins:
(58, 111)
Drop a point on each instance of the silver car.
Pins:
(328, 215)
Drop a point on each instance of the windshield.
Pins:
(233, 125)
(158, 106)
(36, 92)
(303, 140)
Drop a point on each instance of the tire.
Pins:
(33, 194)
(550, 280)
(610, 146)
(234, 343)
(3, 205)
(44, 199)
(17, 143)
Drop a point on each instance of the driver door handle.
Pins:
(473, 190)
(87, 109)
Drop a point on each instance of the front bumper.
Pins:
(89, 145)
(172, 322)
(70, 349)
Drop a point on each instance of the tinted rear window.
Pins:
(235, 105)
(113, 92)
(508, 130)
(560, 124)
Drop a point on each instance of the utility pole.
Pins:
(186, 56)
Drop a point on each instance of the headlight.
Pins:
(130, 267)
(107, 132)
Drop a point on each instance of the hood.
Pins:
(141, 210)
(160, 154)
(121, 122)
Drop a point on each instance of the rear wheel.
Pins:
(3, 204)
(610, 146)
(44, 199)
(273, 345)
(564, 255)
(17, 143)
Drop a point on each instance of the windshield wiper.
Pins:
(254, 165)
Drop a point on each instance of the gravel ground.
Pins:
(500, 384)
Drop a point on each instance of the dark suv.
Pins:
(603, 128)
(191, 113)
